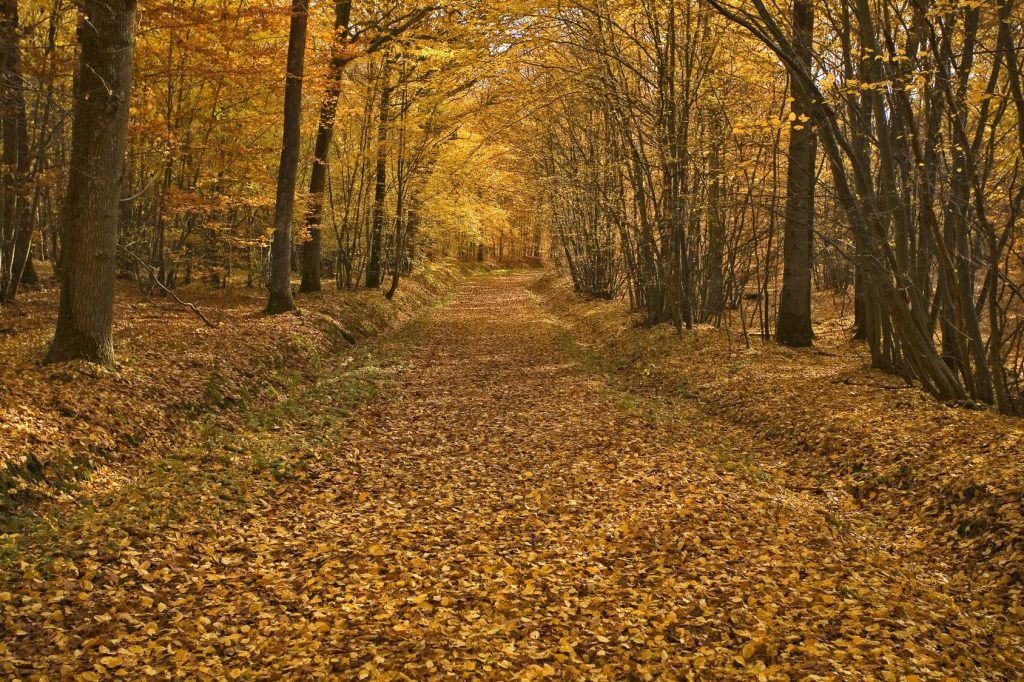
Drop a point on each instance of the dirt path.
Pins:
(502, 513)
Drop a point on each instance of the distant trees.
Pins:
(577, 163)
(685, 156)
(625, 156)
(193, 191)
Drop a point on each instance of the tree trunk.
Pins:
(29, 275)
(311, 275)
(374, 273)
(17, 228)
(281, 249)
(90, 217)
(400, 232)
(794, 323)
(716, 225)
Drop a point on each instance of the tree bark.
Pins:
(400, 234)
(374, 270)
(281, 300)
(311, 275)
(716, 224)
(17, 228)
(793, 327)
(90, 216)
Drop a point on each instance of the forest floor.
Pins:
(66, 426)
(510, 486)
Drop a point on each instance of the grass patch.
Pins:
(297, 420)
(618, 383)
(741, 464)
(585, 356)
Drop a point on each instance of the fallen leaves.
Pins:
(937, 486)
(62, 425)
(584, 534)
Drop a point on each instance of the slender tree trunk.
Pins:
(400, 233)
(794, 324)
(716, 225)
(399, 250)
(281, 300)
(90, 217)
(374, 272)
(412, 226)
(311, 275)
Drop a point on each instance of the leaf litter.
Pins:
(494, 510)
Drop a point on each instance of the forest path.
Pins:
(503, 513)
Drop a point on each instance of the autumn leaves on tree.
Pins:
(714, 161)
(198, 161)
(633, 339)
(914, 113)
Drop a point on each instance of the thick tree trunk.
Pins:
(794, 323)
(90, 216)
(325, 133)
(17, 229)
(281, 300)
(374, 267)
(29, 276)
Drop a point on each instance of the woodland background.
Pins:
(712, 161)
(783, 236)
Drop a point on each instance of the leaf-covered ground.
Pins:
(942, 482)
(65, 424)
(470, 499)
